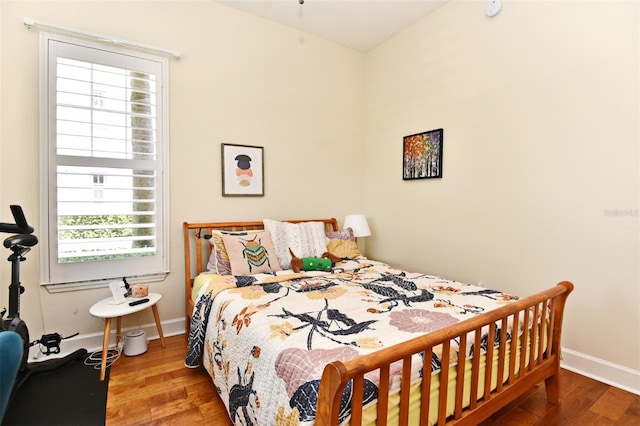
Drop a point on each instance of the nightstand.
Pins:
(107, 309)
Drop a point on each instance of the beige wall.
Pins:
(241, 80)
(540, 110)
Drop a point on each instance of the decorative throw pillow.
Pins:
(212, 265)
(219, 258)
(306, 239)
(343, 234)
(251, 254)
(343, 248)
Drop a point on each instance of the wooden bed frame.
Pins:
(525, 362)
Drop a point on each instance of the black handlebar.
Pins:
(20, 226)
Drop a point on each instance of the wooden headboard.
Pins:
(197, 249)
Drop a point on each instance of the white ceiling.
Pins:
(358, 24)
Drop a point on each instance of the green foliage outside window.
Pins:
(82, 222)
(98, 226)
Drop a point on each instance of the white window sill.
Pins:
(91, 285)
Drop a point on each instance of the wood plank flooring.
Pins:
(155, 388)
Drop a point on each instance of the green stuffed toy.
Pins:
(316, 264)
(324, 263)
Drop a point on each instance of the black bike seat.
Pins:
(24, 240)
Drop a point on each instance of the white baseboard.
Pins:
(601, 370)
(93, 342)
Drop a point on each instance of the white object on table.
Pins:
(108, 309)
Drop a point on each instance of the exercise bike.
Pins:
(20, 244)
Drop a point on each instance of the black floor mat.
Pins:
(69, 395)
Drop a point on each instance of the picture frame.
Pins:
(242, 170)
(422, 155)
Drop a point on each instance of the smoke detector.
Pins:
(493, 8)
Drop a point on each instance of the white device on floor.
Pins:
(135, 342)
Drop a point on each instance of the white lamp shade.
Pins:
(357, 222)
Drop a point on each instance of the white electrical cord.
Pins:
(95, 358)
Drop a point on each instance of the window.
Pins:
(104, 173)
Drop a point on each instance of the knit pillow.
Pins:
(305, 239)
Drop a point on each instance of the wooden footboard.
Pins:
(531, 356)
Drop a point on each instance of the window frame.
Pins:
(98, 273)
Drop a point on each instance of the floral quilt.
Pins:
(265, 338)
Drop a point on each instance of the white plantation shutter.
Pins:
(106, 146)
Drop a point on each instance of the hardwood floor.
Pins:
(156, 388)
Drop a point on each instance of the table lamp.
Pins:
(357, 222)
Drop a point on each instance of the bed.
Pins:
(348, 346)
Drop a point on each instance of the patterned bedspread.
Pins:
(266, 338)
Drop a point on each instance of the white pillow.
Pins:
(306, 239)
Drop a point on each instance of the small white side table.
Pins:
(107, 309)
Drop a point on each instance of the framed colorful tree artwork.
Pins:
(422, 155)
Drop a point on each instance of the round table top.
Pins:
(107, 308)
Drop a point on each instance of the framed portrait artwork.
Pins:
(242, 170)
(422, 155)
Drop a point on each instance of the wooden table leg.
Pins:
(119, 330)
(105, 346)
(158, 325)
